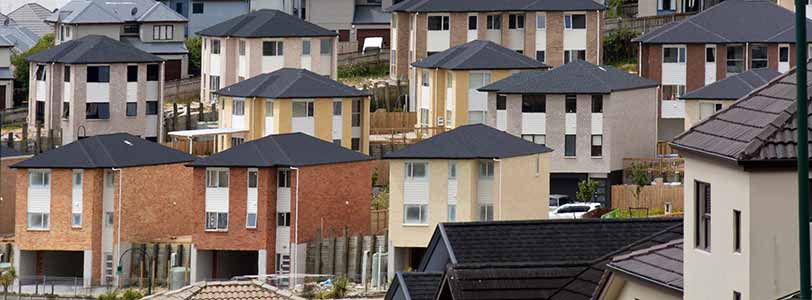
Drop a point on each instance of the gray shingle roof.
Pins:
(118, 150)
(416, 285)
(734, 87)
(118, 11)
(22, 38)
(479, 55)
(491, 5)
(759, 127)
(370, 14)
(5, 42)
(660, 264)
(731, 21)
(266, 23)
(290, 83)
(579, 77)
(92, 49)
(290, 149)
(157, 47)
(476, 141)
(32, 16)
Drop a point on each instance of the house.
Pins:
(260, 42)
(651, 273)
(290, 7)
(22, 38)
(448, 81)
(6, 74)
(205, 13)
(96, 85)
(554, 32)
(530, 259)
(741, 161)
(354, 20)
(247, 219)
(713, 45)
(80, 207)
(222, 290)
(369, 20)
(457, 176)
(649, 8)
(707, 100)
(32, 16)
(144, 24)
(584, 110)
(8, 157)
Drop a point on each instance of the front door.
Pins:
(3, 97)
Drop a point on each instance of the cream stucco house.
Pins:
(471, 173)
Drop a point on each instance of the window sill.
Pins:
(597, 157)
(76, 227)
(415, 225)
(216, 230)
(570, 157)
(250, 228)
(38, 229)
(703, 251)
(97, 120)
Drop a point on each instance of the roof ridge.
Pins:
(283, 152)
(299, 74)
(149, 11)
(647, 250)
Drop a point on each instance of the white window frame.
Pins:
(163, 32)
(77, 180)
(491, 24)
(681, 54)
(445, 22)
(309, 109)
(238, 107)
(248, 213)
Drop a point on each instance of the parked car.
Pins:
(557, 200)
(573, 210)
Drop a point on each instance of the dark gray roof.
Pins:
(660, 264)
(756, 129)
(106, 11)
(734, 87)
(118, 150)
(479, 55)
(415, 285)
(9, 152)
(290, 83)
(266, 23)
(577, 77)
(491, 5)
(731, 21)
(157, 47)
(285, 150)
(476, 141)
(93, 49)
(370, 14)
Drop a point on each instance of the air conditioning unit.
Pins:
(440, 121)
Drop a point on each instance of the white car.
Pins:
(573, 210)
(557, 200)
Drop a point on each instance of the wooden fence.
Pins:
(199, 148)
(371, 56)
(378, 221)
(382, 122)
(188, 88)
(643, 24)
(343, 255)
(653, 197)
(672, 169)
(663, 148)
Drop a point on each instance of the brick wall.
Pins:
(695, 69)
(721, 71)
(555, 38)
(421, 28)
(593, 45)
(530, 34)
(402, 36)
(772, 56)
(8, 193)
(459, 28)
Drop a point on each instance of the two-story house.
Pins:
(145, 24)
(471, 173)
(294, 100)
(80, 207)
(584, 111)
(6, 74)
(447, 96)
(260, 42)
(741, 220)
(712, 45)
(554, 32)
(256, 204)
(96, 85)
(8, 157)
(649, 8)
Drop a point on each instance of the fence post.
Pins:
(317, 263)
(10, 140)
(175, 116)
(25, 139)
(346, 255)
(50, 139)
(188, 115)
(38, 138)
(331, 250)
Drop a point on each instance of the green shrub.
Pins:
(21, 64)
(618, 47)
(131, 294)
(340, 285)
(111, 295)
(363, 70)
(195, 47)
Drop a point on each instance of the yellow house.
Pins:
(447, 82)
(458, 176)
(294, 100)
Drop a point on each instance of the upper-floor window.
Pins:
(163, 32)
(515, 21)
(541, 21)
(416, 170)
(356, 113)
(424, 79)
(97, 110)
(242, 48)
(239, 107)
(673, 92)
(472, 22)
(305, 47)
(215, 46)
(569, 145)
(735, 59)
(570, 104)
(39, 179)
(575, 21)
(40, 73)
(98, 74)
(273, 48)
(493, 22)
(283, 178)
(337, 107)
(737, 231)
(132, 73)
(597, 104)
(708, 109)
(394, 21)
(436, 23)
(302, 109)
(702, 226)
(217, 178)
(783, 54)
(573, 55)
(758, 56)
(710, 54)
(486, 169)
(197, 7)
(673, 54)
(534, 103)
(66, 75)
(153, 72)
(131, 28)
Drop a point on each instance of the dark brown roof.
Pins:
(221, 290)
(660, 264)
(758, 128)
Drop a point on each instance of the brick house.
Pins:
(74, 200)
(712, 45)
(8, 157)
(554, 32)
(237, 234)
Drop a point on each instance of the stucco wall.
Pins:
(692, 116)
(214, 12)
(621, 288)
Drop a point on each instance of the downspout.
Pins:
(118, 216)
(803, 160)
(296, 228)
(499, 200)
(598, 39)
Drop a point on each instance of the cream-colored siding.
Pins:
(621, 288)
(147, 32)
(112, 31)
(5, 57)
(692, 110)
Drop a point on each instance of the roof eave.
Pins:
(645, 279)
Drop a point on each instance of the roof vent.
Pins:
(134, 11)
(128, 143)
(5, 22)
(602, 69)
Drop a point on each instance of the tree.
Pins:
(195, 47)
(618, 47)
(639, 179)
(586, 190)
(20, 61)
(6, 279)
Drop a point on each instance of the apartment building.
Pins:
(80, 207)
(6, 74)
(8, 157)
(260, 42)
(707, 100)
(458, 176)
(449, 80)
(712, 45)
(247, 217)
(741, 162)
(144, 24)
(96, 85)
(584, 111)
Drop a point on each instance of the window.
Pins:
(783, 54)
(575, 21)
(501, 102)
(163, 32)
(673, 92)
(737, 235)
(758, 56)
(241, 48)
(355, 144)
(569, 145)
(153, 72)
(132, 109)
(302, 109)
(485, 169)
(97, 110)
(356, 113)
(98, 74)
(710, 54)
(570, 104)
(239, 107)
(283, 219)
(486, 212)
(214, 86)
(424, 79)
(197, 7)
(476, 117)
(217, 178)
(326, 46)
(305, 47)
(597, 104)
(424, 117)
(708, 109)
(735, 60)
(515, 21)
(415, 214)
(215, 46)
(535, 138)
(534, 103)
(132, 73)
(541, 56)
(38, 220)
(109, 219)
(65, 110)
(235, 141)
(39, 179)
(131, 29)
(40, 73)
(538, 164)
(737, 295)
(251, 220)
(702, 197)
(437, 23)
(452, 212)
(269, 109)
(472, 22)
(67, 74)
(478, 79)
(572, 55)
(40, 111)
(673, 54)
(494, 22)
(415, 170)
(541, 22)
(597, 145)
(336, 108)
(216, 220)
(283, 178)
(152, 108)
(273, 48)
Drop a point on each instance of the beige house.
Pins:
(261, 42)
(650, 273)
(585, 112)
(6, 75)
(96, 85)
(458, 176)
(741, 162)
(650, 8)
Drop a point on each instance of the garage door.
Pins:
(173, 70)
